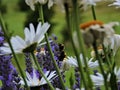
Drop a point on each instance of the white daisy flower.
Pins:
(91, 64)
(42, 1)
(97, 79)
(72, 62)
(86, 3)
(50, 3)
(113, 42)
(35, 81)
(90, 2)
(32, 38)
(116, 3)
(32, 3)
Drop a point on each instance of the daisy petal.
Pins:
(32, 32)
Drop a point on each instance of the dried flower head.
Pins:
(88, 24)
(96, 31)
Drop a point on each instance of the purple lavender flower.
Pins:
(28, 63)
(16, 80)
(44, 58)
(1, 37)
(1, 40)
(7, 75)
(56, 83)
(77, 80)
(118, 84)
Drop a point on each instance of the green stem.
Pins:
(14, 55)
(100, 64)
(107, 58)
(40, 70)
(80, 40)
(93, 12)
(41, 15)
(97, 55)
(74, 48)
(111, 69)
(51, 53)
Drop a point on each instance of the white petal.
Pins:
(5, 50)
(21, 41)
(97, 80)
(31, 3)
(43, 81)
(42, 1)
(29, 77)
(52, 74)
(49, 78)
(16, 43)
(27, 36)
(50, 3)
(92, 64)
(6, 44)
(41, 32)
(32, 32)
(38, 28)
(45, 43)
(35, 78)
(72, 61)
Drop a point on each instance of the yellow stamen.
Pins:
(42, 51)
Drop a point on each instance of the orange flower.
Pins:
(87, 24)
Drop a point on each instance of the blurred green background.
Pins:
(17, 15)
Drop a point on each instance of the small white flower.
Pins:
(92, 64)
(86, 3)
(116, 3)
(90, 2)
(32, 38)
(35, 81)
(50, 3)
(42, 1)
(32, 3)
(113, 42)
(72, 62)
(97, 79)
